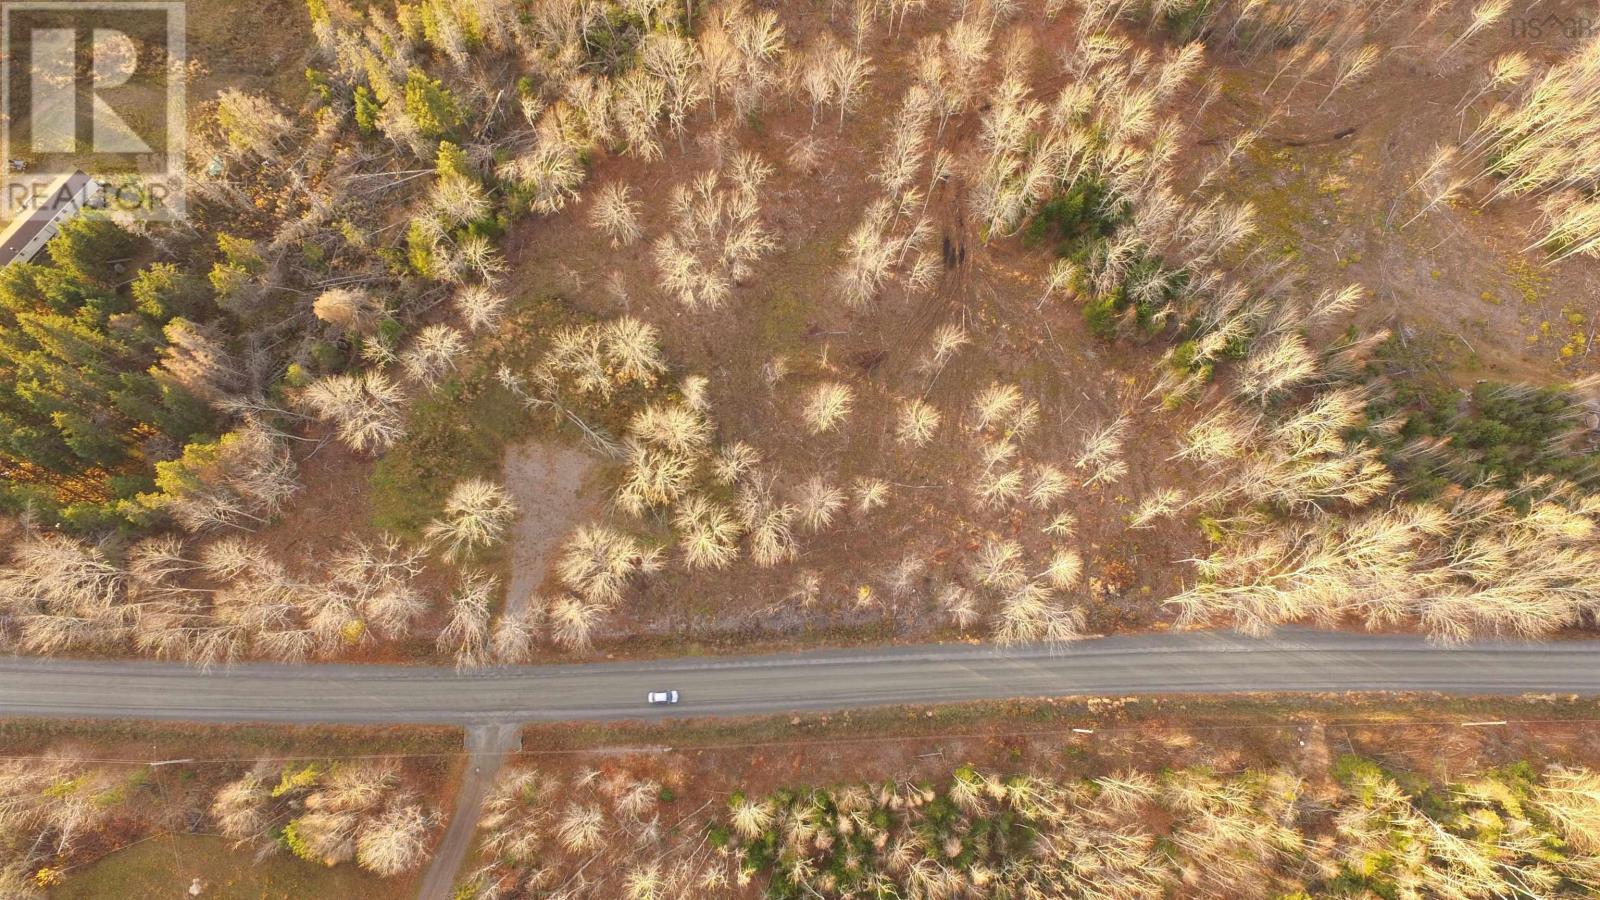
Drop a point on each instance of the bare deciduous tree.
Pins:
(615, 213)
(717, 234)
(709, 533)
(475, 516)
(817, 502)
(433, 354)
(479, 305)
(827, 406)
(466, 634)
(364, 407)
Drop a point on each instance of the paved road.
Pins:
(1147, 664)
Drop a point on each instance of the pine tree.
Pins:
(367, 110)
(87, 248)
(163, 291)
(430, 105)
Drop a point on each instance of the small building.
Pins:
(38, 220)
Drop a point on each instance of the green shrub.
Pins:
(1497, 435)
(1074, 220)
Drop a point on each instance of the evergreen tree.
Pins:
(28, 286)
(367, 110)
(163, 292)
(81, 394)
(430, 105)
(452, 161)
(88, 248)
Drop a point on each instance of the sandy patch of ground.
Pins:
(548, 481)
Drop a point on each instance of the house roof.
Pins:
(61, 196)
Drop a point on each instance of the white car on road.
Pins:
(660, 698)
